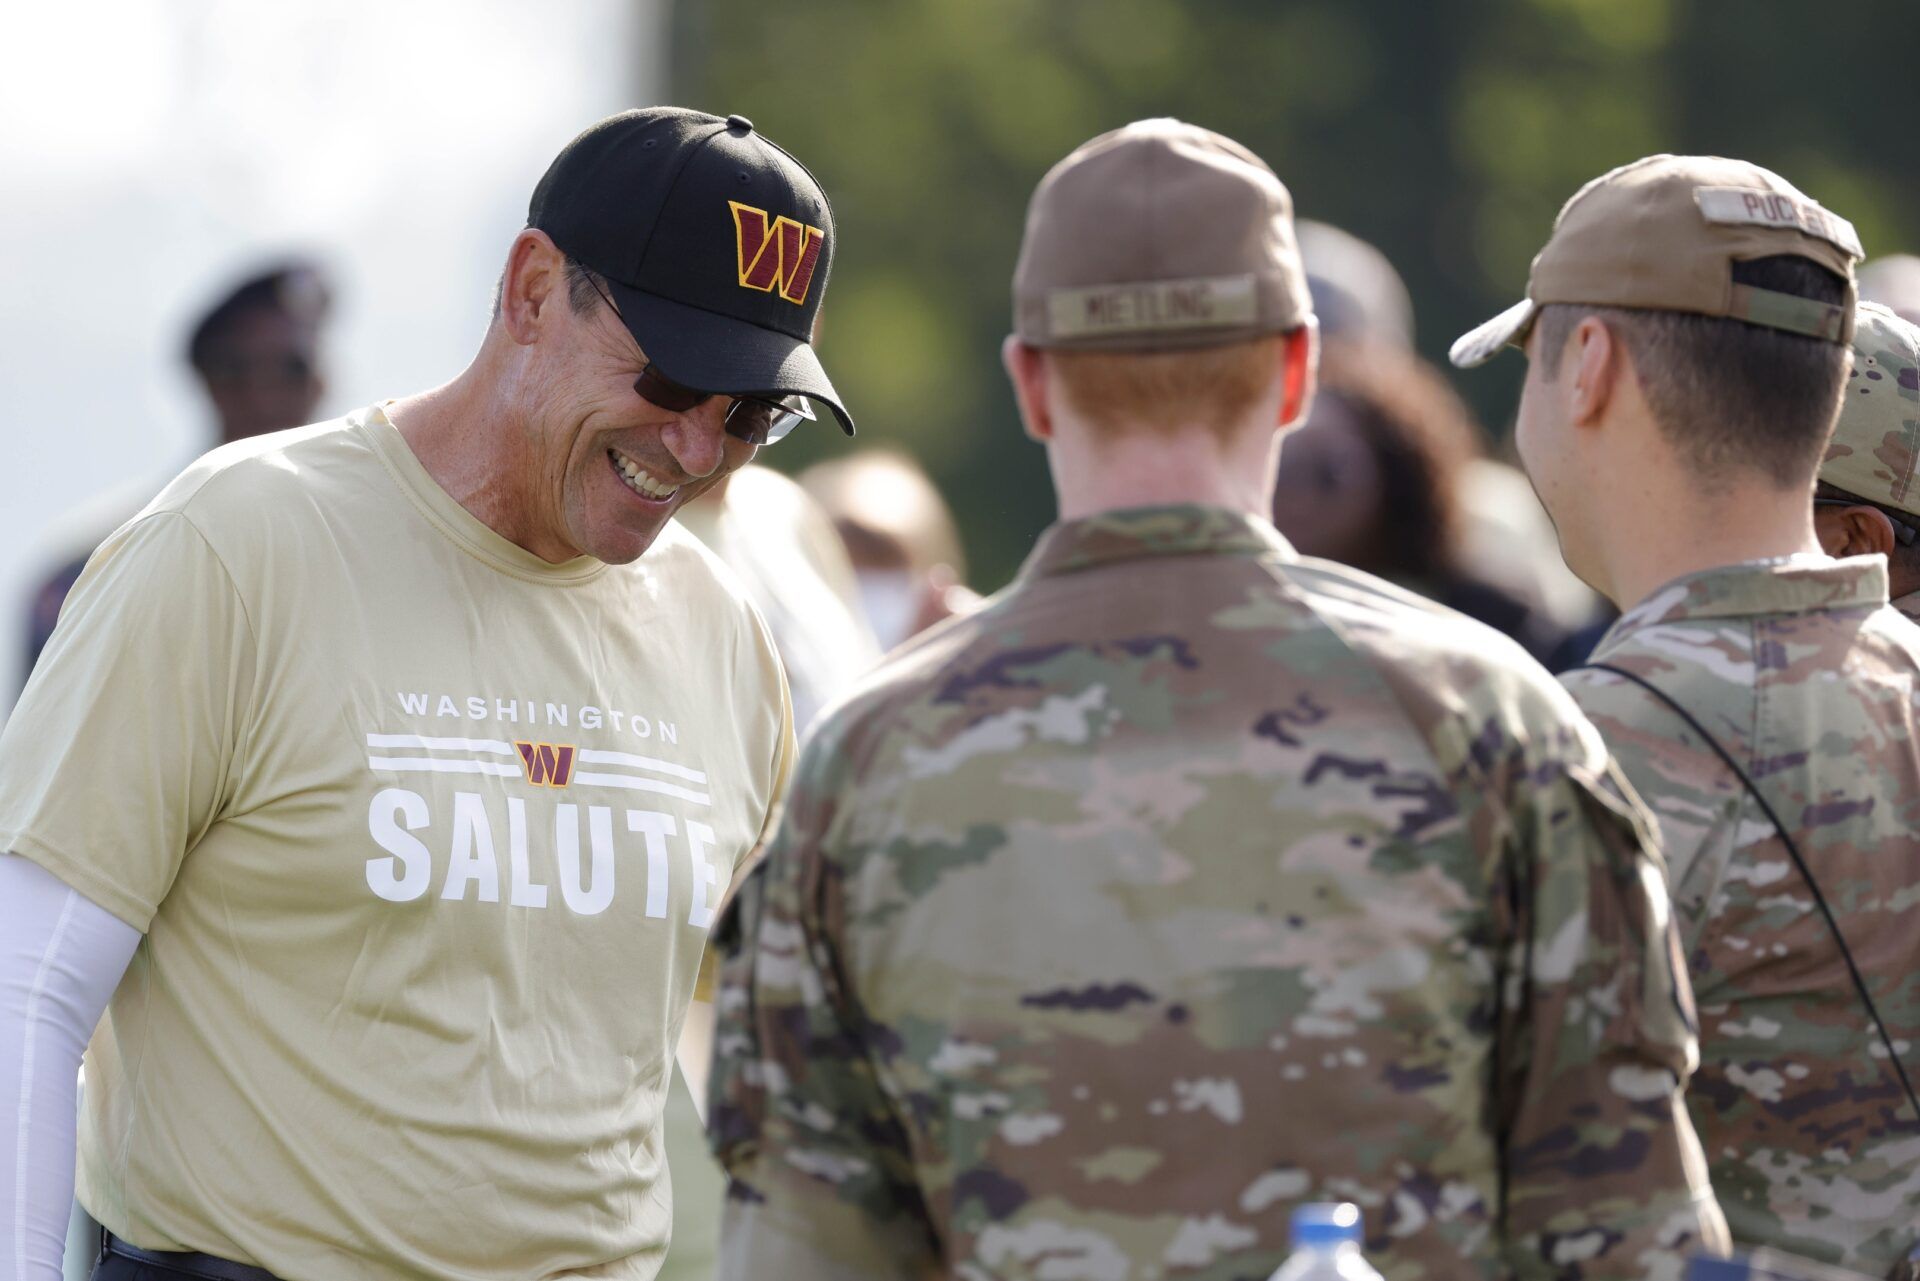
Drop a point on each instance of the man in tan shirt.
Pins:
(407, 758)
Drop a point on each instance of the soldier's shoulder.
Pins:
(1896, 632)
(1439, 660)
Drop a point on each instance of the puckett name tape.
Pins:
(1735, 206)
(1152, 306)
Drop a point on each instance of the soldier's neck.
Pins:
(1691, 534)
(1096, 471)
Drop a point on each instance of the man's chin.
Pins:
(624, 551)
(624, 544)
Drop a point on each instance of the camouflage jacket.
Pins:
(1185, 882)
(1807, 678)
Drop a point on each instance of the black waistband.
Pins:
(185, 1263)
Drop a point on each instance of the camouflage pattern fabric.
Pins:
(1808, 679)
(1876, 442)
(1188, 881)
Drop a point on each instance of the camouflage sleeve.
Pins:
(1604, 1175)
(1692, 796)
(820, 1173)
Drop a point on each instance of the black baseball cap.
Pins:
(714, 242)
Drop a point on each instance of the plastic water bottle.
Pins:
(1326, 1245)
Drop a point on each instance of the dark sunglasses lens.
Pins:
(761, 422)
(657, 389)
(786, 419)
(751, 421)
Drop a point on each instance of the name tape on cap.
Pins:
(1154, 306)
(1751, 206)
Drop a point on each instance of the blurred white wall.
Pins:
(152, 151)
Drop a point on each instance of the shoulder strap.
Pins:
(1793, 852)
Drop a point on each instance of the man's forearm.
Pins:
(61, 956)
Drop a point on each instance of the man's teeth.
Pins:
(637, 480)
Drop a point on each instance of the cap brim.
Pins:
(710, 352)
(1508, 329)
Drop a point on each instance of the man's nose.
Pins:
(697, 439)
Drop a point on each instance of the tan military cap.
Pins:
(1877, 441)
(1663, 233)
(1158, 235)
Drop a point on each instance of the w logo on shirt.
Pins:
(547, 764)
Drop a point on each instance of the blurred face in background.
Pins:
(892, 589)
(263, 373)
(1328, 494)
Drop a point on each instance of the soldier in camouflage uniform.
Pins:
(1190, 880)
(1868, 501)
(1686, 327)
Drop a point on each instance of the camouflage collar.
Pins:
(1801, 584)
(1134, 532)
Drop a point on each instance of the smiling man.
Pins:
(386, 774)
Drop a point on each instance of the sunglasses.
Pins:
(748, 418)
(756, 420)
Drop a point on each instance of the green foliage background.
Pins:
(1448, 132)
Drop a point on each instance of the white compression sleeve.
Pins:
(61, 956)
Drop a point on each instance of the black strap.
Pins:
(201, 1267)
(1793, 852)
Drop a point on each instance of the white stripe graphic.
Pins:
(593, 756)
(436, 765)
(493, 745)
(498, 747)
(642, 785)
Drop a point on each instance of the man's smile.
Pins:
(638, 479)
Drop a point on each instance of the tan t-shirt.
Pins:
(425, 835)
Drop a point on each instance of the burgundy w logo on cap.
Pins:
(778, 252)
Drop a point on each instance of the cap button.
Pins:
(740, 123)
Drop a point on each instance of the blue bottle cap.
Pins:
(1702, 1267)
(1326, 1223)
(1711, 1268)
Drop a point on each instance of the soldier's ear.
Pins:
(1593, 363)
(1854, 531)
(1027, 371)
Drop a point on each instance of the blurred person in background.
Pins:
(784, 548)
(1373, 479)
(1893, 281)
(1358, 294)
(258, 354)
(1687, 331)
(1188, 880)
(1867, 502)
(383, 778)
(908, 567)
(1500, 538)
